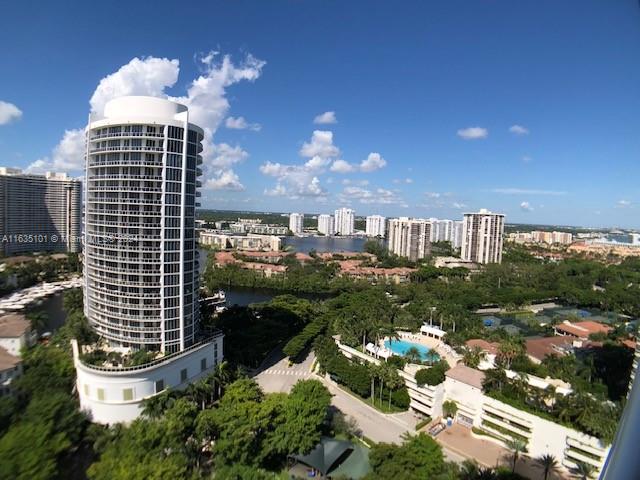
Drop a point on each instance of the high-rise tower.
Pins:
(141, 262)
(483, 236)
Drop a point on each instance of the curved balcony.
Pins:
(127, 148)
(101, 136)
(126, 283)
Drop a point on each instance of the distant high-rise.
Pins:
(456, 237)
(39, 212)
(344, 221)
(141, 259)
(375, 226)
(296, 221)
(326, 225)
(483, 236)
(409, 237)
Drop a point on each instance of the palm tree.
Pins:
(394, 381)
(431, 356)
(413, 355)
(449, 408)
(517, 447)
(473, 356)
(584, 470)
(154, 407)
(220, 377)
(547, 463)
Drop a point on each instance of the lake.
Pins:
(325, 244)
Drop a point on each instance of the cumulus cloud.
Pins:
(321, 145)
(433, 194)
(326, 118)
(458, 205)
(240, 123)
(473, 133)
(525, 206)
(9, 112)
(141, 76)
(226, 180)
(67, 156)
(624, 203)
(205, 98)
(518, 130)
(373, 162)
(293, 181)
(526, 191)
(342, 166)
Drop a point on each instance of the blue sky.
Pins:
(407, 82)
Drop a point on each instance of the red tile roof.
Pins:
(583, 329)
(489, 347)
(541, 347)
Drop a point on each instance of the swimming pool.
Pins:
(400, 347)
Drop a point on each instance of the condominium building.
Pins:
(344, 221)
(483, 236)
(141, 259)
(375, 226)
(326, 225)
(296, 221)
(456, 236)
(409, 237)
(39, 212)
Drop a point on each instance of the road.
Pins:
(275, 375)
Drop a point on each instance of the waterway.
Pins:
(325, 244)
(52, 307)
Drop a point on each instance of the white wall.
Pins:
(113, 408)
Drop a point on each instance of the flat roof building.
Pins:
(39, 213)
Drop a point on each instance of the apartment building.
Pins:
(141, 260)
(375, 226)
(239, 242)
(39, 213)
(483, 237)
(344, 221)
(326, 225)
(296, 222)
(409, 237)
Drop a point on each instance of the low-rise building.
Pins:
(15, 334)
(239, 242)
(581, 330)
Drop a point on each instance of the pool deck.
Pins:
(440, 347)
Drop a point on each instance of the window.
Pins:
(203, 364)
(127, 394)
(86, 389)
(101, 394)
(183, 375)
(159, 386)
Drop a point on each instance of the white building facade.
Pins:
(483, 237)
(141, 270)
(375, 226)
(409, 237)
(344, 221)
(326, 225)
(296, 222)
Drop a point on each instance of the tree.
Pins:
(419, 457)
(449, 408)
(517, 447)
(473, 356)
(508, 350)
(413, 355)
(547, 463)
(584, 470)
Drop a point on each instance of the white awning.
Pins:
(432, 331)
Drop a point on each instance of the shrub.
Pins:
(400, 398)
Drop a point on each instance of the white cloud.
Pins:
(365, 196)
(294, 181)
(321, 144)
(458, 205)
(342, 166)
(624, 203)
(373, 162)
(9, 112)
(433, 194)
(67, 156)
(141, 76)
(526, 191)
(473, 133)
(205, 98)
(526, 207)
(240, 123)
(277, 191)
(325, 118)
(225, 180)
(527, 159)
(398, 181)
(518, 130)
